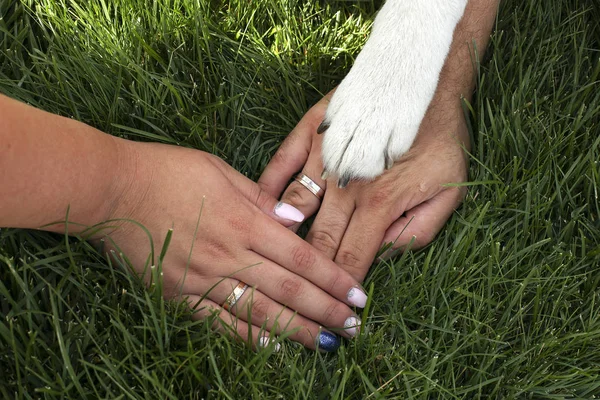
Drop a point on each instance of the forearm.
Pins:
(459, 75)
(49, 164)
(471, 36)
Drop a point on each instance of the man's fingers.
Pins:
(328, 229)
(422, 223)
(361, 242)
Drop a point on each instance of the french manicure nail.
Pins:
(286, 211)
(357, 297)
(352, 325)
(264, 341)
(328, 342)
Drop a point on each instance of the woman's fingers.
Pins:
(299, 257)
(286, 214)
(299, 152)
(259, 309)
(297, 293)
(231, 325)
(249, 304)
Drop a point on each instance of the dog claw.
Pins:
(323, 127)
(343, 181)
(389, 162)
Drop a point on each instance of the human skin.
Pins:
(224, 223)
(410, 202)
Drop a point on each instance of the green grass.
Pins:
(504, 304)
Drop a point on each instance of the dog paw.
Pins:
(375, 113)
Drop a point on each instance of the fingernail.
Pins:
(264, 341)
(357, 297)
(352, 326)
(328, 342)
(325, 175)
(286, 211)
(389, 162)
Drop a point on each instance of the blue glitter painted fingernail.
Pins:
(328, 342)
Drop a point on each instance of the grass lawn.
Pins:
(504, 304)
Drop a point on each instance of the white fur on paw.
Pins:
(376, 111)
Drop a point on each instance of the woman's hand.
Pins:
(410, 202)
(239, 238)
(50, 164)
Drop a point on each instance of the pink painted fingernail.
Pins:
(286, 211)
(352, 326)
(357, 297)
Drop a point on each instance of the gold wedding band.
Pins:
(235, 295)
(310, 185)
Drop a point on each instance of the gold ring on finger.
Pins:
(312, 187)
(237, 293)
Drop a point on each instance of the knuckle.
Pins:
(214, 248)
(239, 224)
(332, 311)
(294, 195)
(323, 240)
(382, 197)
(259, 196)
(260, 310)
(241, 330)
(290, 287)
(349, 259)
(265, 186)
(305, 336)
(286, 153)
(262, 201)
(281, 156)
(334, 282)
(303, 258)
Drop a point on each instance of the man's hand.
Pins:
(409, 202)
(413, 199)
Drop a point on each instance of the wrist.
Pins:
(128, 184)
(107, 176)
(458, 77)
